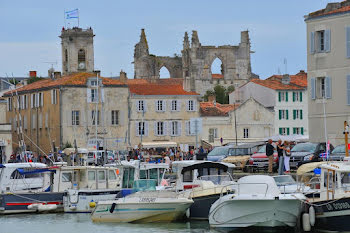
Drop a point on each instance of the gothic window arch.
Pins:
(164, 72)
(217, 68)
(81, 59)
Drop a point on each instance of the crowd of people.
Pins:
(283, 152)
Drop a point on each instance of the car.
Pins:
(338, 153)
(219, 153)
(307, 152)
(259, 161)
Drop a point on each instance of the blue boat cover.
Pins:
(2, 165)
(23, 172)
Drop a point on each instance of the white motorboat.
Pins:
(143, 206)
(256, 202)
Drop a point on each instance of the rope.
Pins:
(31, 199)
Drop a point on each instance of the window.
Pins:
(282, 96)
(41, 99)
(283, 114)
(111, 175)
(320, 36)
(160, 106)
(190, 105)
(34, 121)
(245, 133)
(141, 106)
(25, 102)
(94, 116)
(188, 129)
(297, 96)
(320, 41)
(81, 59)
(53, 96)
(298, 114)
(75, 117)
(174, 105)
(140, 128)
(160, 128)
(94, 95)
(115, 117)
(175, 128)
(66, 177)
(101, 175)
(9, 104)
(213, 133)
(284, 131)
(298, 130)
(321, 87)
(91, 175)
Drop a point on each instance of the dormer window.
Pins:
(93, 83)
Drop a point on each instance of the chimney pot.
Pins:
(123, 77)
(57, 75)
(32, 74)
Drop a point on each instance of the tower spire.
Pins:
(143, 39)
(186, 44)
(195, 39)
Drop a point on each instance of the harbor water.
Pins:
(81, 223)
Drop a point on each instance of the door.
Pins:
(91, 179)
(101, 180)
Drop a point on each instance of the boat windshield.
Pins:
(143, 185)
(219, 151)
(217, 179)
(304, 147)
(284, 180)
(345, 180)
(339, 149)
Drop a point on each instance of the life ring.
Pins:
(312, 216)
(306, 222)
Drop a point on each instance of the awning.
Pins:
(205, 165)
(308, 167)
(158, 144)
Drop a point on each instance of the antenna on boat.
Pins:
(346, 133)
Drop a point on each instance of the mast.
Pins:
(96, 115)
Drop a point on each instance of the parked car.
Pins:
(338, 153)
(91, 158)
(240, 154)
(259, 161)
(219, 153)
(307, 152)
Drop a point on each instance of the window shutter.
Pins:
(348, 42)
(301, 97)
(22, 102)
(156, 106)
(287, 114)
(8, 104)
(280, 114)
(137, 128)
(42, 99)
(187, 105)
(294, 114)
(328, 82)
(165, 127)
(286, 96)
(51, 92)
(313, 88)
(120, 117)
(102, 95)
(294, 96)
(348, 88)
(294, 130)
(88, 95)
(287, 131)
(164, 105)
(31, 101)
(302, 131)
(327, 38)
(178, 105)
(155, 129)
(145, 105)
(280, 130)
(146, 128)
(179, 128)
(194, 105)
(312, 42)
(279, 96)
(187, 126)
(301, 114)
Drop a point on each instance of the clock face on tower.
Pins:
(81, 65)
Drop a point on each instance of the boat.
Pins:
(143, 206)
(26, 187)
(204, 180)
(256, 201)
(331, 211)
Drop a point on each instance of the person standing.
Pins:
(269, 153)
(286, 156)
(280, 150)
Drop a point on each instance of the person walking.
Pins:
(286, 156)
(269, 154)
(280, 150)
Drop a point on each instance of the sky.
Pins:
(30, 29)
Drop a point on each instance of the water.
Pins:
(81, 223)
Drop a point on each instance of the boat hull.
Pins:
(82, 203)
(201, 206)
(332, 216)
(231, 214)
(138, 212)
(13, 203)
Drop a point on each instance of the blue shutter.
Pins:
(348, 42)
(348, 88)
(328, 82)
(327, 40)
(312, 42)
(313, 88)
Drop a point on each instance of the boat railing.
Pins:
(238, 188)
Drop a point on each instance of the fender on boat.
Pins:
(312, 216)
(306, 222)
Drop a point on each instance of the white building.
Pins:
(286, 95)
(328, 64)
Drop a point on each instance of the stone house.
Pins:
(249, 121)
(5, 134)
(286, 95)
(328, 65)
(161, 112)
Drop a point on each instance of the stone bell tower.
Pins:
(77, 50)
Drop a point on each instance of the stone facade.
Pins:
(5, 134)
(194, 65)
(77, 50)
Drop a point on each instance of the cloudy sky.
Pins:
(30, 29)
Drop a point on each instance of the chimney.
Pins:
(286, 79)
(212, 98)
(32, 74)
(25, 82)
(56, 75)
(97, 72)
(123, 78)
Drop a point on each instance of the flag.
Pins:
(73, 14)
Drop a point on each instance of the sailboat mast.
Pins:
(96, 117)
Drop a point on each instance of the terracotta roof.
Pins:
(332, 8)
(299, 79)
(158, 89)
(209, 109)
(78, 79)
(276, 84)
(217, 76)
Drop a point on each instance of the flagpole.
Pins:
(78, 17)
(64, 18)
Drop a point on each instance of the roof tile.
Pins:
(211, 109)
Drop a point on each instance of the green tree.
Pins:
(207, 94)
(34, 79)
(13, 81)
(221, 93)
(67, 145)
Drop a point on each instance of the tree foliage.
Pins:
(34, 79)
(221, 93)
